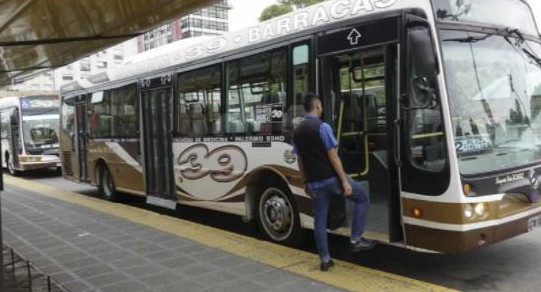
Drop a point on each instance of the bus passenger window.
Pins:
(68, 116)
(125, 112)
(301, 69)
(99, 115)
(5, 117)
(257, 94)
(200, 101)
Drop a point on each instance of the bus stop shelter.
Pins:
(37, 35)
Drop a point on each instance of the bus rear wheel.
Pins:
(107, 185)
(278, 217)
(11, 166)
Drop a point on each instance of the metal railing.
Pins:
(21, 276)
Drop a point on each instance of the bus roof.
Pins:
(313, 16)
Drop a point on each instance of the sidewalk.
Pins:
(87, 244)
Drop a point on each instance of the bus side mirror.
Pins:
(423, 66)
(421, 51)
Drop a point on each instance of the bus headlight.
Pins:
(468, 211)
(480, 209)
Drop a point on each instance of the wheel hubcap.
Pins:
(277, 215)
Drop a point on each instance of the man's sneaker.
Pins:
(326, 266)
(362, 244)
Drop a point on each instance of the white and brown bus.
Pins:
(29, 132)
(435, 105)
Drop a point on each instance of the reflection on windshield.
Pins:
(508, 13)
(40, 131)
(495, 96)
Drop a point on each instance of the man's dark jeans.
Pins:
(321, 200)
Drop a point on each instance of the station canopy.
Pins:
(43, 34)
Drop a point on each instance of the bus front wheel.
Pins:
(278, 217)
(107, 185)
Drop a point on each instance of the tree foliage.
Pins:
(297, 4)
(284, 7)
(273, 11)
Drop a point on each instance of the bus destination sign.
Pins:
(37, 103)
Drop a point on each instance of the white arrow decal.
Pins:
(354, 37)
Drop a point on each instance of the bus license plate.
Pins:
(534, 223)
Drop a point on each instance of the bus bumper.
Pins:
(524, 219)
(25, 166)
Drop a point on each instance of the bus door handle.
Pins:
(396, 142)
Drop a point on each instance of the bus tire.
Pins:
(11, 166)
(107, 185)
(278, 216)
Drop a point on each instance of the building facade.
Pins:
(213, 20)
(52, 80)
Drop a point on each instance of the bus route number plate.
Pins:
(474, 144)
(534, 223)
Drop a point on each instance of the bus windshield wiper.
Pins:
(527, 50)
(470, 39)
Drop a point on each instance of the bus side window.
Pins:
(200, 101)
(125, 112)
(425, 129)
(68, 116)
(301, 82)
(257, 94)
(4, 116)
(99, 115)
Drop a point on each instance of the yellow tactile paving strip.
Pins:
(344, 275)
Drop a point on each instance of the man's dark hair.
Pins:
(310, 102)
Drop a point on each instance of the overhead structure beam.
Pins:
(37, 34)
(66, 40)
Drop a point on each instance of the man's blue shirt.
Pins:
(329, 142)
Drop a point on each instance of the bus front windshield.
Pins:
(40, 129)
(494, 87)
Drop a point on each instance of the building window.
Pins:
(67, 77)
(84, 66)
(102, 64)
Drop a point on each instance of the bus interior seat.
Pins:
(253, 126)
(198, 120)
(184, 118)
(235, 126)
(215, 119)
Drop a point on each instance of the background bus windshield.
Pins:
(40, 124)
(508, 13)
(495, 96)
